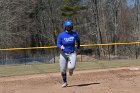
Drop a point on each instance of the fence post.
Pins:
(108, 53)
(54, 54)
(98, 52)
(136, 53)
(81, 57)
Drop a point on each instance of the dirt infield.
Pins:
(122, 80)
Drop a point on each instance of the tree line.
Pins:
(34, 23)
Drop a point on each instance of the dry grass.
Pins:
(12, 70)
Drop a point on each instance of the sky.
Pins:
(131, 3)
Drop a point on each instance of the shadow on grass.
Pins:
(82, 85)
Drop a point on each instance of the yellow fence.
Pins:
(84, 45)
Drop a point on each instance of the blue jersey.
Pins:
(68, 41)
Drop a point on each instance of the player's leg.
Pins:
(71, 63)
(63, 68)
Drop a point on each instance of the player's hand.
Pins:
(62, 47)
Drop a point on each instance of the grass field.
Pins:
(16, 70)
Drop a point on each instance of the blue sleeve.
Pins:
(59, 41)
(77, 41)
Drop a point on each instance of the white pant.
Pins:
(70, 63)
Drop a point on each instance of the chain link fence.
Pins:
(89, 52)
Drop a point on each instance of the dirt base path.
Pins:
(122, 80)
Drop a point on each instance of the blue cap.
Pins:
(68, 23)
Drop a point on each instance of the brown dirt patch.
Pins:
(122, 80)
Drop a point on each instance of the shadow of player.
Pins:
(82, 85)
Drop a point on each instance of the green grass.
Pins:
(107, 64)
(11, 70)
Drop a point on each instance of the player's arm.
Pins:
(78, 41)
(78, 44)
(59, 41)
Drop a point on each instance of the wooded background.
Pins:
(31, 23)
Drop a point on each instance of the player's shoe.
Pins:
(64, 85)
(70, 72)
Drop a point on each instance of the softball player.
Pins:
(66, 42)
